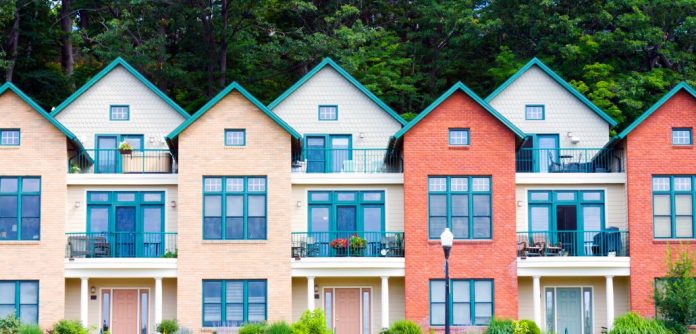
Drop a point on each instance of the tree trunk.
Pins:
(223, 43)
(11, 47)
(66, 49)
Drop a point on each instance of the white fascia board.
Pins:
(570, 178)
(123, 179)
(574, 266)
(347, 178)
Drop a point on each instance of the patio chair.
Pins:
(536, 248)
(77, 246)
(554, 250)
(554, 166)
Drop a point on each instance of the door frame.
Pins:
(333, 307)
(111, 305)
(555, 304)
(328, 161)
(117, 155)
(535, 147)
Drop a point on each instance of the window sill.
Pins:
(675, 241)
(9, 147)
(464, 241)
(683, 147)
(246, 242)
(20, 242)
(231, 147)
(462, 147)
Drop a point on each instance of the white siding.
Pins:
(149, 114)
(564, 112)
(357, 113)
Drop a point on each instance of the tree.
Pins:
(675, 295)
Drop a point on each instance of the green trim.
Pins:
(456, 87)
(687, 130)
(19, 194)
(347, 76)
(328, 151)
(111, 112)
(245, 193)
(359, 203)
(326, 106)
(682, 85)
(560, 81)
(472, 300)
(17, 300)
(223, 301)
(469, 193)
(243, 131)
(19, 136)
(233, 86)
(543, 112)
(468, 136)
(672, 193)
(119, 61)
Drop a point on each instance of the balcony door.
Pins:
(125, 228)
(547, 152)
(106, 154)
(328, 153)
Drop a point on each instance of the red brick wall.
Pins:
(650, 152)
(492, 152)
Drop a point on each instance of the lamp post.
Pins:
(446, 239)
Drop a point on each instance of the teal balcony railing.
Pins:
(345, 244)
(357, 160)
(121, 245)
(570, 160)
(609, 242)
(102, 161)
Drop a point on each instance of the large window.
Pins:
(20, 208)
(234, 207)
(231, 303)
(20, 298)
(346, 211)
(9, 137)
(673, 206)
(471, 302)
(462, 203)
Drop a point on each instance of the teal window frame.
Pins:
(112, 201)
(466, 139)
(19, 194)
(7, 139)
(449, 193)
(676, 131)
(527, 111)
(319, 112)
(472, 301)
(235, 131)
(672, 192)
(245, 193)
(18, 303)
(116, 107)
(223, 302)
(333, 202)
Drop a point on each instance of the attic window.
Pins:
(534, 112)
(328, 113)
(682, 136)
(119, 113)
(9, 137)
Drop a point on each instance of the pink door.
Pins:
(347, 306)
(124, 318)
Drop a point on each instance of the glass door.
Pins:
(346, 223)
(341, 154)
(106, 154)
(316, 154)
(567, 228)
(125, 229)
(372, 218)
(547, 153)
(152, 237)
(319, 238)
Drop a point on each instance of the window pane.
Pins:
(684, 227)
(459, 137)
(31, 206)
(212, 184)
(7, 293)
(319, 197)
(372, 196)
(346, 197)
(535, 196)
(682, 184)
(212, 228)
(256, 184)
(31, 185)
(482, 227)
(540, 218)
(592, 218)
(257, 312)
(29, 314)
(483, 291)
(8, 185)
(152, 197)
(661, 205)
(235, 292)
(235, 314)
(437, 291)
(28, 293)
(437, 314)
(320, 219)
(460, 205)
(235, 206)
(681, 136)
(437, 184)
(328, 112)
(98, 219)
(372, 219)
(235, 228)
(460, 227)
(682, 204)
(460, 291)
(483, 313)
(437, 225)
(257, 228)
(565, 196)
(481, 184)
(461, 314)
(213, 206)
(482, 205)
(257, 206)
(591, 196)
(30, 229)
(663, 227)
(212, 291)
(234, 137)
(459, 184)
(257, 292)
(438, 205)
(98, 197)
(212, 314)
(550, 316)
(660, 183)
(135, 141)
(9, 137)
(152, 221)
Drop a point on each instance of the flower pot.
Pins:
(126, 151)
(357, 251)
(340, 252)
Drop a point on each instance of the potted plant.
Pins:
(339, 245)
(125, 147)
(74, 168)
(357, 244)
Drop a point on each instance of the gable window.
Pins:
(682, 136)
(231, 303)
(20, 298)
(534, 112)
(328, 113)
(234, 208)
(462, 203)
(9, 137)
(235, 137)
(673, 198)
(20, 208)
(119, 113)
(459, 137)
(471, 302)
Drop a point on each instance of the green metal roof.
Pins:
(347, 76)
(459, 86)
(682, 85)
(220, 96)
(560, 81)
(119, 61)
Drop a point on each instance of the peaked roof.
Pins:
(220, 96)
(459, 86)
(682, 85)
(328, 62)
(11, 87)
(119, 62)
(559, 80)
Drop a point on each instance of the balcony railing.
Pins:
(357, 160)
(102, 161)
(340, 244)
(610, 242)
(569, 160)
(121, 245)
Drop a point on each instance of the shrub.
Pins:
(30, 329)
(501, 326)
(253, 328)
(675, 296)
(9, 324)
(631, 323)
(526, 327)
(69, 327)
(404, 327)
(168, 327)
(280, 327)
(311, 322)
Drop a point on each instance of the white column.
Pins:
(310, 293)
(610, 302)
(84, 301)
(536, 299)
(158, 300)
(385, 301)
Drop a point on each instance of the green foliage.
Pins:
(30, 329)
(675, 295)
(526, 327)
(9, 325)
(168, 327)
(311, 322)
(403, 327)
(253, 328)
(631, 323)
(68, 327)
(280, 327)
(500, 326)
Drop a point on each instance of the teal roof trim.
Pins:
(347, 76)
(9, 86)
(560, 81)
(460, 86)
(119, 61)
(682, 85)
(220, 96)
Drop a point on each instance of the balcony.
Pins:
(607, 243)
(113, 161)
(569, 160)
(347, 244)
(121, 245)
(357, 160)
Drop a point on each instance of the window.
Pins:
(458, 137)
(20, 298)
(673, 199)
(682, 136)
(231, 303)
(20, 208)
(234, 208)
(471, 302)
(534, 112)
(328, 113)
(462, 203)
(119, 113)
(235, 137)
(9, 137)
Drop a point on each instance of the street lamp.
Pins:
(446, 239)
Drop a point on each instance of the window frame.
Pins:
(472, 300)
(19, 194)
(17, 300)
(19, 136)
(687, 130)
(245, 193)
(111, 112)
(543, 112)
(455, 130)
(327, 106)
(672, 193)
(242, 131)
(223, 300)
(359, 202)
(470, 193)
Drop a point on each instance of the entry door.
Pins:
(106, 154)
(568, 306)
(125, 229)
(347, 306)
(547, 152)
(124, 319)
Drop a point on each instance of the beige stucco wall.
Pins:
(41, 153)
(201, 153)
